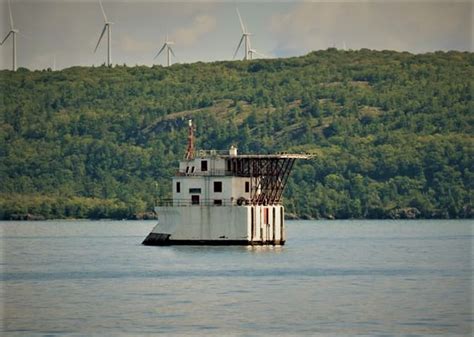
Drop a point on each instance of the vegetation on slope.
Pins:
(392, 133)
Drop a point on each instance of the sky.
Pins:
(64, 33)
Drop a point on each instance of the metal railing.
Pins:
(211, 172)
(206, 202)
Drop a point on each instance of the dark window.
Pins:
(192, 169)
(218, 202)
(187, 169)
(178, 187)
(194, 190)
(195, 199)
(247, 187)
(217, 186)
(204, 166)
(265, 216)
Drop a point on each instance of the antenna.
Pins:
(190, 149)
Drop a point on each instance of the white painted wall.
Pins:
(203, 223)
(213, 164)
(232, 188)
(221, 223)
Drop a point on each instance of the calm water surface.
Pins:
(390, 278)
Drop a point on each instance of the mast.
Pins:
(190, 149)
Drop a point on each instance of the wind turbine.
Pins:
(249, 52)
(245, 38)
(107, 28)
(253, 51)
(167, 45)
(13, 33)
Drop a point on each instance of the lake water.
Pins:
(390, 278)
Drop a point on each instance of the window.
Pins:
(247, 187)
(178, 187)
(204, 166)
(265, 216)
(217, 186)
(194, 190)
(187, 169)
(218, 202)
(195, 200)
(192, 169)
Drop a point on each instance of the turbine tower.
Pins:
(245, 38)
(167, 45)
(107, 27)
(248, 50)
(13, 33)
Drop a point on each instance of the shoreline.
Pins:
(289, 217)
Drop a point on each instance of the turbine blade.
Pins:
(6, 37)
(258, 53)
(100, 38)
(172, 52)
(161, 50)
(103, 12)
(241, 22)
(240, 43)
(11, 16)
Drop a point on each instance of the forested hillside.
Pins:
(392, 133)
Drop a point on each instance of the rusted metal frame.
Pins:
(266, 174)
(258, 181)
(273, 178)
(263, 181)
(281, 164)
(286, 174)
(266, 180)
(252, 192)
(254, 178)
(279, 179)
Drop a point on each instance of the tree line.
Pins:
(391, 133)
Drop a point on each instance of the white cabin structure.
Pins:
(225, 199)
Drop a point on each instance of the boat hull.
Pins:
(160, 239)
(246, 225)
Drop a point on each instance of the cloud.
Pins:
(416, 27)
(190, 35)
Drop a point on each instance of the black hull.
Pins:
(158, 239)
